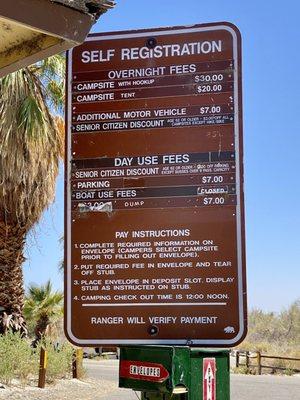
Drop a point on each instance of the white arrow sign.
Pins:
(209, 379)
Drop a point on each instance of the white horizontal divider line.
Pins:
(150, 304)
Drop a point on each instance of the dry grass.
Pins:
(20, 362)
(274, 334)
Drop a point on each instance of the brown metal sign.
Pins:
(154, 188)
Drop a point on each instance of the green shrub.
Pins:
(59, 360)
(243, 370)
(289, 372)
(17, 358)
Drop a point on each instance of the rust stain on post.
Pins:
(42, 368)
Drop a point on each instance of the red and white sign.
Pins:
(143, 371)
(209, 379)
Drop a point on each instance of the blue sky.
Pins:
(271, 59)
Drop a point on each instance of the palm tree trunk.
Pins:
(12, 241)
(41, 327)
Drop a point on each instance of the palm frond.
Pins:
(31, 139)
(43, 301)
(31, 117)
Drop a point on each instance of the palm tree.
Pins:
(43, 308)
(31, 143)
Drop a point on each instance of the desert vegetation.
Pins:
(20, 361)
(20, 356)
(43, 311)
(274, 334)
(278, 332)
(31, 145)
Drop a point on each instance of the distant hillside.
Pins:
(274, 332)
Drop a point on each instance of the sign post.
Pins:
(154, 189)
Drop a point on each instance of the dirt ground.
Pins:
(89, 389)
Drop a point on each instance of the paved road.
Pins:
(243, 387)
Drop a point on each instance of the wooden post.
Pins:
(247, 359)
(77, 367)
(43, 367)
(237, 361)
(74, 365)
(259, 363)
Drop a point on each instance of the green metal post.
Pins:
(222, 374)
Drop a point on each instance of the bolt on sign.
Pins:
(154, 197)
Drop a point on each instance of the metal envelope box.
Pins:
(155, 368)
(177, 372)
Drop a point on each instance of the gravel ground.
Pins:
(89, 389)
